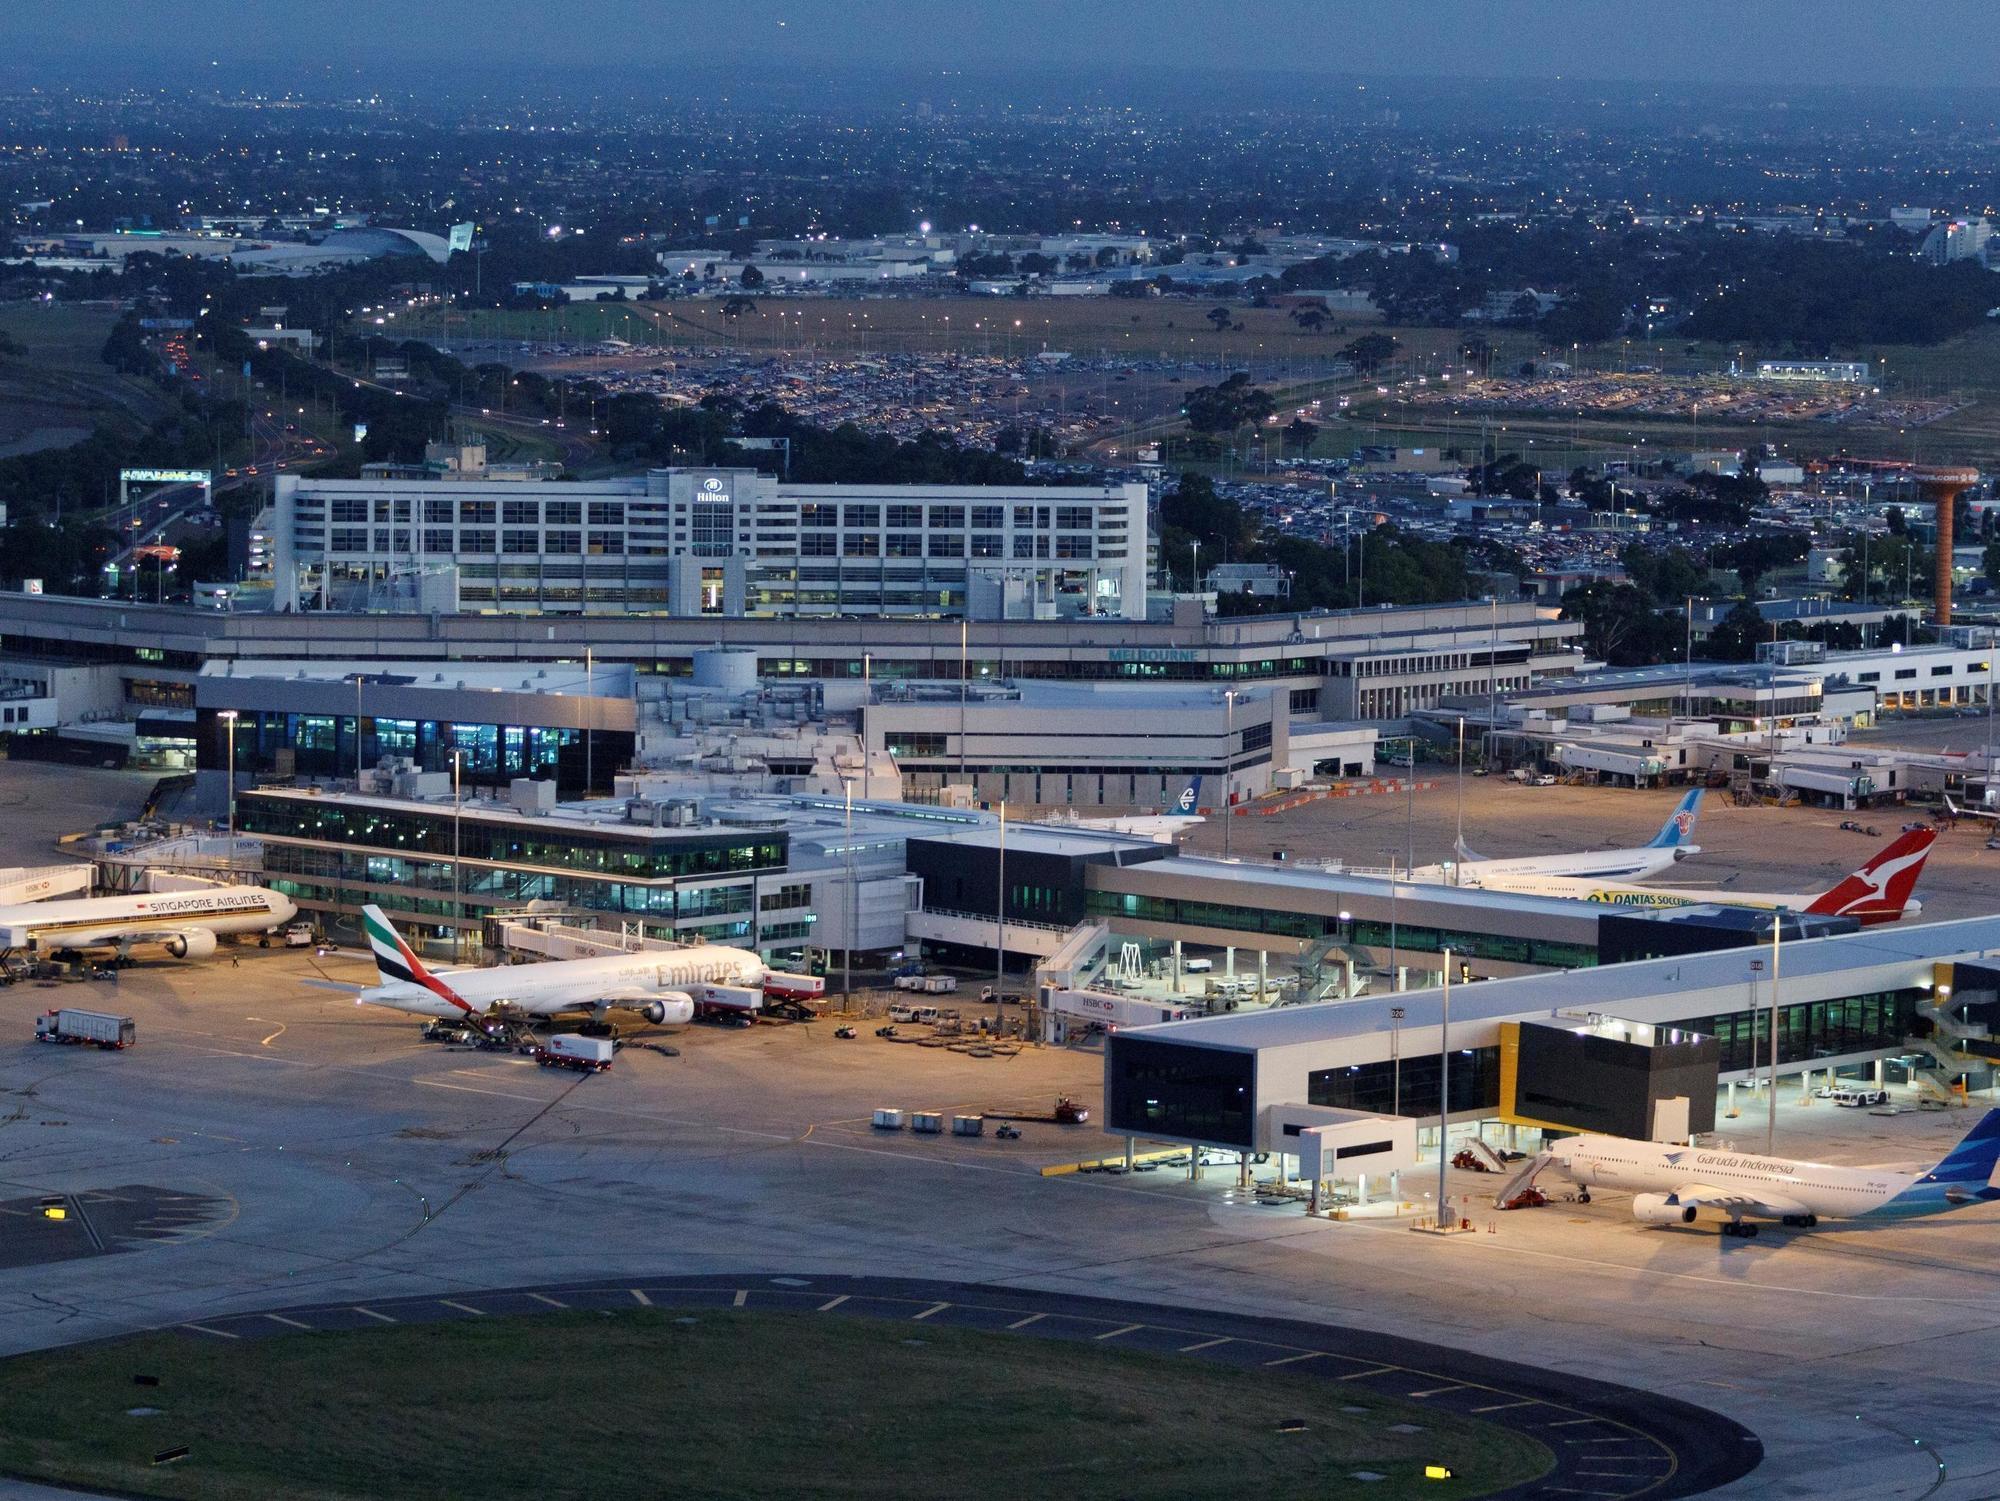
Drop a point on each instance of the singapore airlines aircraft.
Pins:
(1876, 893)
(655, 984)
(1656, 855)
(1673, 1185)
(184, 923)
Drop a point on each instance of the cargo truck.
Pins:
(95, 1028)
(568, 1050)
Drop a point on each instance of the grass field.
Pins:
(718, 1404)
(60, 390)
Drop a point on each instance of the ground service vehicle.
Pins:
(567, 1050)
(96, 1028)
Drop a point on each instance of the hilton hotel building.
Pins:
(714, 542)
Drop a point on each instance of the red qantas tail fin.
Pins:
(1880, 890)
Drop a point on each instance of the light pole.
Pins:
(1396, 1014)
(589, 712)
(1771, 1104)
(1393, 986)
(457, 876)
(1000, 925)
(1444, 1086)
(1228, 769)
(853, 907)
(228, 718)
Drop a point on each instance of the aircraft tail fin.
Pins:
(394, 961)
(1679, 827)
(1190, 799)
(1880, 890)
(1975, 1156)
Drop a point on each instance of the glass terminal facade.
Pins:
(335, 854)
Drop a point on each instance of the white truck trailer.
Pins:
(93, 1028)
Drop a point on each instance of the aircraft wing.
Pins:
(1768, 1206)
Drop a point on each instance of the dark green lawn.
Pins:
(652, 1403)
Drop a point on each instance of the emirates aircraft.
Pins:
(1674, 1185)
(1876, 893)
(659, 985)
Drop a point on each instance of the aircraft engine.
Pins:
(1654, 1209)
(675, 1008)
(196, 943)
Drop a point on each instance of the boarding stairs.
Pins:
(1521, 1180)
(1946, 1045)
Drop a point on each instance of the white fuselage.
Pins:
(104, 921)
(1818, 1188)
(578, 984)
(1619, 894)
(1629, 864)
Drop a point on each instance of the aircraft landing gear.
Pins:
(1737, 1227)
(1802, 1221)
(1583, 1196)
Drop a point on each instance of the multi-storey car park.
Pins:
(717, 542)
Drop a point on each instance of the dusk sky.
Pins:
(1777, 43)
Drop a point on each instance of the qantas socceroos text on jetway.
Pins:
(1878, 892)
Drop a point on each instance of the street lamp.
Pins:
(1228, 768)
(228, 718)
(457, 877)
(1396, 1014)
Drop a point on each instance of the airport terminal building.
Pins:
(712, 543)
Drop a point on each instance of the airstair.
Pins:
(1522, 1180)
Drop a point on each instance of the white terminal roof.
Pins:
(607, 680)
(1807, 970)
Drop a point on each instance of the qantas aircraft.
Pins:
(1876, 893)
(655, 984)
(184, 923)
(1672, 1185)
(1650, 858)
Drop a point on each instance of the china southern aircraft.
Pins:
(658, 985)
(1672, 1185)
(1647, 859)
(1876, 893)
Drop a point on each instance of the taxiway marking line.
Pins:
(832, 1303)
(1115, 1333)
(463, 1307)
(545, 1298)
(279, 1318)
(218, 1333)
(1380, 1370)
(644, 1301)
(374, 1315)
(1302, 1355)
(1207, 1344)
(1033, 1318)
(1438, 1391)
(1503, 1406)
(934, 1308)
(742, 1297)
